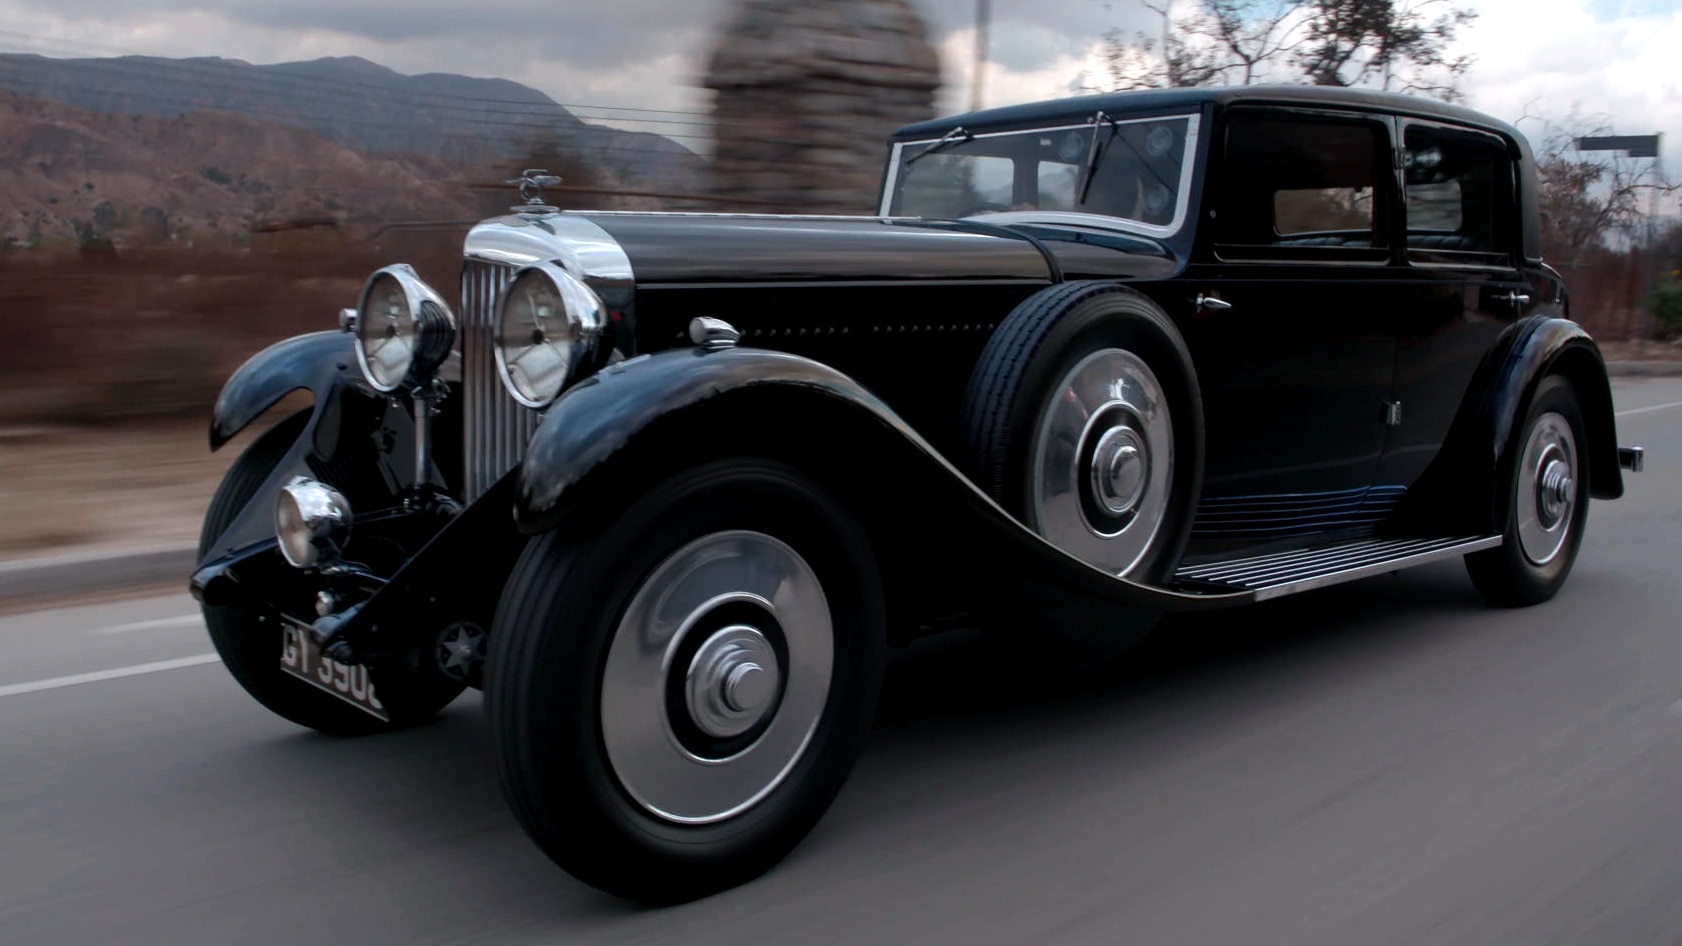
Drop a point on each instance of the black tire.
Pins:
(551, 649)
(1037, 347)
(249, 642)
(1507, 575)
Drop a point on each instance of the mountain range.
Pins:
(210, 138)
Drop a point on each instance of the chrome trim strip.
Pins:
(1285, 573)
(885, 203)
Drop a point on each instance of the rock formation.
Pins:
(807, 93)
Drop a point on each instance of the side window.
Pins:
(1459, 196)
(1299, 186)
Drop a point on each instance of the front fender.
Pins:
(322, 362)
(660, 409)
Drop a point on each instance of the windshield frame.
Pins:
(1182, 200)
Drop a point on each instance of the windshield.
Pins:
(1141, 169)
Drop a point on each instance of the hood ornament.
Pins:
(531, 183)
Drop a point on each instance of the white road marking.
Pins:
(55, 683)
(182, 621)
(1655, 407)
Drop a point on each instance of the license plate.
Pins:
(300, 657)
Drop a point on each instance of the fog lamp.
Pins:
(312, 523)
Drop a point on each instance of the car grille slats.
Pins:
(495, 427)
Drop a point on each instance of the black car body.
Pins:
(1093, 360)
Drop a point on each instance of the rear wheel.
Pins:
(1548, 499)
(677, 696)
(250, 640)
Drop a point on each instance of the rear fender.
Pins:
(615, 435)
(1468, 486)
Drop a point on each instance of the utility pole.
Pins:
(983, 17)
(1639, 146)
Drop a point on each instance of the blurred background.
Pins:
(180, 187)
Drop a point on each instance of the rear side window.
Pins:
(1300, 185)
(1460, 201)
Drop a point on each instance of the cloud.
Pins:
(1611, 63)
(1538, 57)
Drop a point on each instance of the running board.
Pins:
(1284, 573)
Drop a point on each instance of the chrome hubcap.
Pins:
(732, 681)
(1102, 461)
(1120, 466)
(716, 677)
(1547, 488)
(1556, 491)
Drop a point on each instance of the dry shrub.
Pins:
(151, 335)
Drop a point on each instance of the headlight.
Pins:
(404, 329)
(547, 327)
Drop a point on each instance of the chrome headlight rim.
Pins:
(312, 523)
(586, 319)
(429, 316)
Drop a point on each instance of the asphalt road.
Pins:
(1384, 762)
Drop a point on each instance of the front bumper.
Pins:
(1633, 459)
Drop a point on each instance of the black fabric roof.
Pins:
(1081, 108)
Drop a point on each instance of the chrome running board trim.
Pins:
(1285, 573)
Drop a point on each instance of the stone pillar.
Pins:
(807, 93)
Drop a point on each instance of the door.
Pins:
(1295, 364)
(1463, 249)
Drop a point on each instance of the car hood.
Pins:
(718, 248)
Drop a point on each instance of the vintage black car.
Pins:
(666, 487)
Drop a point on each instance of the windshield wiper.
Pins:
(954, 137)
(1094, 155)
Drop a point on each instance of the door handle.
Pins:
(1516, 299)
(1211, 304)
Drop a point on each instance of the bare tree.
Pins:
(1590, 198)
(1358, 42)
(1249, 33)
(1173, 59)
(1399, 44)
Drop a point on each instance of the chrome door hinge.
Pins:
(1393, 413)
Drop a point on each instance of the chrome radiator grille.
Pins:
(495, 426)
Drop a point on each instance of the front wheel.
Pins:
(1548, 500)
(677, 696)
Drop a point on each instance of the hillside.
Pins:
(359, 104)
(68, 173)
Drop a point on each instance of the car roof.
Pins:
(1081, 108)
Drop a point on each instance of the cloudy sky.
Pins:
(1537, 60)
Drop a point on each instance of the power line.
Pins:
(274, 69)
(323, 89)
(37, 88)
(298, 120)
